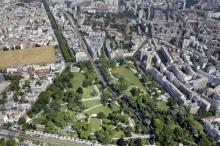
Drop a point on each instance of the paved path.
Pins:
(134, 136)
(93, 98)
(92, 107)
(35, 116)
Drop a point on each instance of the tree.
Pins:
(104, 136)
(173, 40)
(141, 142)
(7, 125)
(70, 85)
(2, 142)
(16, 99)
(80, 90)
(122, 142)
(123, 84)
(134, 91)
(178, 133)
(101, 115)
(50, 127)
(106, 93)
(21, 121)
(87, 83)
(104, 100)
(204, 142)
(84, 134)
(11, 142)
(27, 84)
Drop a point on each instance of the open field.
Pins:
(128, 75)
(91, 103)
(78, 81)
(98, 109)
(96, 124)
(38, 55)
(102, 108)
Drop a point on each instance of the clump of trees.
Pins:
(10, 142)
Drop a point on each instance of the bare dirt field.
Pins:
(39, 55)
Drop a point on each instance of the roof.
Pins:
(80, 116)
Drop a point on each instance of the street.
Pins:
(44, 137)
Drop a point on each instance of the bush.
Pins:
(21, 121)
(80, 90)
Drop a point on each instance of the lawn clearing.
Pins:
(78, 81)
(95, 123)
(162, 105)
(128, 75)
(118, 134)
(87, 92)
(102, 108)
(38, 55)
(91, 103)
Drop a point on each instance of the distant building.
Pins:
(212, 128)
(23, 106)
(166, 55)
(179, 74)
(3, 118)
(200, 83)
(80, 117)
(203, 103)
(168, 86)
(193, 108)
(81, 56)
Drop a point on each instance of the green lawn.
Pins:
(87, 92)
(128, 75)
(91, 103)
(118, 134)
(95, 123)
(77, 82)
(102, 108)
(162, 105)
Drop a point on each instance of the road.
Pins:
(46, 138)
(134, 136)
(149, 13)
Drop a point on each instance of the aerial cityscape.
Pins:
(110, 72)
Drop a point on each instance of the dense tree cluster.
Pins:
(66, 52)
(50, 101)
(10, 142)
(166, 127)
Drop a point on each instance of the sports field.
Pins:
(38, 55)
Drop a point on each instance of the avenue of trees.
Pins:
(66, 52)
